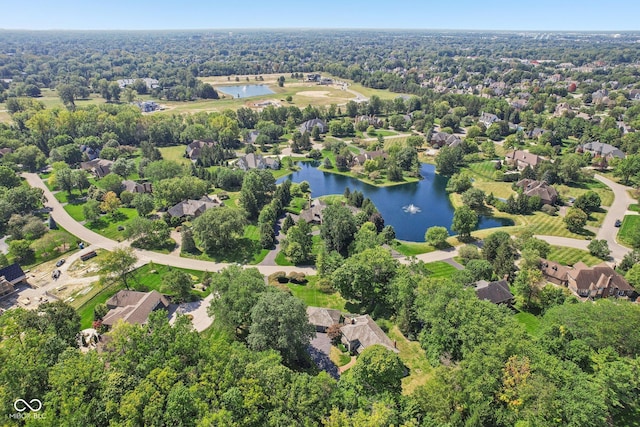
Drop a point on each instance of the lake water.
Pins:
(409, 208)
(245, 91)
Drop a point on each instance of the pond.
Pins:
(245, 91)
(409, 208)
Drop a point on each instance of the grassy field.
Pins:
(543, 224)
(312, 296)
(248, 251)
(412, 248)
(605, 193)
(53, 244)
(175, 153)
(107, 225)
(570, 256)
(629, 223)
(414, 358)
(75, 211)
(530, 322)
(635, 207)
(440, 269)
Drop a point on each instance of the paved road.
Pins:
(65, 221)
(617, 210)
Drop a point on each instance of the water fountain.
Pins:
(412, 209)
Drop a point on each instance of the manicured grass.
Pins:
(64, 197)
(248, 250)
(547, 225)
(576, 190)
(312, 296)
(281, 259)
(75, 211)
(385, 132)
(440, 269)
(414, 358)
(277, 174)
(86, 304)
(635, 207)
(530, 322)
(107, 226)
(570, 256)
(412, 248)
(175, 153)
(296, 205)
(629, 223)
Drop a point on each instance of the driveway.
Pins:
(617, 210)
(198, 311)
(319, 350)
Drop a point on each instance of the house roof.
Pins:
(364, 330)
(442, 138)
(193, 207)
(12, 273)
(497, 292)
(314, 213)
(531, 188)
(605, 150)
(598, 277)
(256, 161)
(135, 187)
(100, 167)
(326, 317)
(310, 124)
(554, 270)
(133, 306)
(195, 148)
(524, 157)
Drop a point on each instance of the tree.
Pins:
(188, 245)
(575, 219)
(436, 236)
(338, 228)
(465, 220)
(378, 370)
(219, 229)
(21, 252)
(571, 168)
(112, 183)
(287, 223)
(81, 179)
(257, 187)
(148, 234)
(110, 203)
(447, 160)
(474, 198)
(178, 283)
(91, 210)
(298, 245)
(627, 167)
(588, 202)
(123, 167)
(459, 183)
(8, 178)
(238, 291)
(599, 248)
(365, 277)
(117, 264)
(281, 81)
(279, 321)
(633, 277)
(67, 94)
(143, 203)
(366, 238)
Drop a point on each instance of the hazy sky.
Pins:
(543, 15)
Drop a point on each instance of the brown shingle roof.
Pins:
(133, 306)
(326, 317)
(366, 332)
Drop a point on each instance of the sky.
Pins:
(519, 15)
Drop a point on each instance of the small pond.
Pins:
(245, 91)
(409, 208)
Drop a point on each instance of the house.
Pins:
(522, 159)
(147, 106)
(361, 332)
(136, 187)
(252, 137)
(535, 133)
(310, 124)
(624, 128)
(314, 77)
(193, 208)
(562, 109)
(368, 155)
(440, 139)
(600, 281)
(5, 151)
(99, 167)
(487, 119)
(497, 292)
(313, 213)
(91, 153)
(9, 277)
(256, 161)
(323, 318)
(151, 83)
(194, 149)
(599, 149)
(370, 120)
(133, 306)
(554, 272)
(546, 192)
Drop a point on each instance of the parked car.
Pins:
(618, 223)
(60, 262)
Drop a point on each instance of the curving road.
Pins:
(72, 226)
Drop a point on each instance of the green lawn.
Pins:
(281, 259)
(53, 244)
(530, 322)
(412, 248)
(547, 225)
(312, 296)
(296, 205)
(440, 269)
(75, 211)
(64, 197)
(569, 256)
(247, 252)
(414, 358)
(107, 226)
(175, 153)
(575, 190)
(629, 223)
(635, 207)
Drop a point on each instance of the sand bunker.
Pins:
(314, 93)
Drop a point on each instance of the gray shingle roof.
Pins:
(366, 332)
(133, 306)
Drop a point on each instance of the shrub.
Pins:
(325, 286)
(297, 278)
(549, 210)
